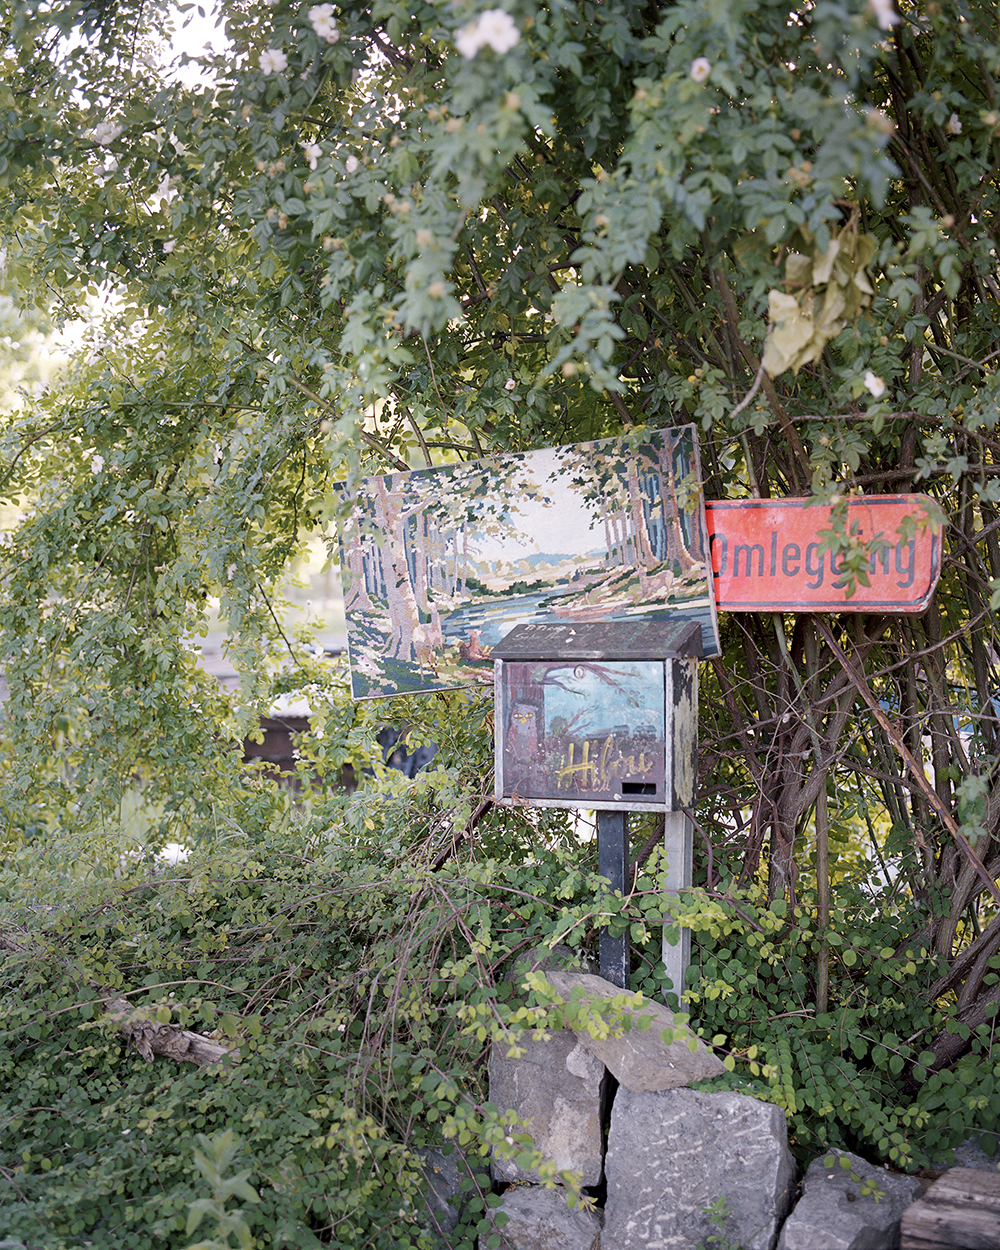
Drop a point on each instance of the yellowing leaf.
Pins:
(823, 268)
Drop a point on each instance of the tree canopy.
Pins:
(393, 235)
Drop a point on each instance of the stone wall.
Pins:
(669, 1167)
(669, 1158)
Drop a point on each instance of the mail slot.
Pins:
(599, 715)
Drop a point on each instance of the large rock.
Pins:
(539, 1219)
(445, 1201)
(835, 1213)
(968, 1154)
(640, 1059)
(557, 1087)
(676, 1155)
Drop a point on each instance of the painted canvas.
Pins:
(439, 564)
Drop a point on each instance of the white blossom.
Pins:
(324, 23)
(273, 61)
(106, 132)
(509, 385)
(351, 164)
(312, 153)
(169, 245)
(874, 384)
(96, 464)
(700, 69)
(467, 40)
(885, 13)
(954, 126)
(493, 28)
(497, 29)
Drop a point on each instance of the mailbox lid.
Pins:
(601, 640)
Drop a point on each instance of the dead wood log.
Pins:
(962, 1209)
(148, 1037)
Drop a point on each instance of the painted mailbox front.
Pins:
(440, 564)
(584, 731)
(601, 716)
(766, 555)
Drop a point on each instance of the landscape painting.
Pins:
(439, 564)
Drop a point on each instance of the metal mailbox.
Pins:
(598, 715)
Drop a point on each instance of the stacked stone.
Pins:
(683, 1169)
(674, 1157)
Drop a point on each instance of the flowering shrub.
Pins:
(408, 245)
(493, 28)
(273, 61)
(324, 23)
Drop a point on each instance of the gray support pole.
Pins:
(678, 830)
(678, 842)
(612, 863)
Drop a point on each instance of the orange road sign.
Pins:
(767, 555)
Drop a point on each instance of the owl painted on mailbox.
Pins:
(522, 732)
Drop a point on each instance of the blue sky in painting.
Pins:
(638, 702)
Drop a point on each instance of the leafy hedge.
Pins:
(359, 985)
(363, 988)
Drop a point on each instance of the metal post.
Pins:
(612, 863)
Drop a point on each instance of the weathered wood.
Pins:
(148, 1037)
(610, 723)
(678, 842)
(960, 1211)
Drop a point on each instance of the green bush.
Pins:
(362, 989)
(858, 1076)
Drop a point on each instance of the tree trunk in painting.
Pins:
(403, 613)
(644, 556)
(677, 551)
(356, 581)
(420, 561)
(610, 532)
(456, 565)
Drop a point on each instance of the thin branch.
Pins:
(751, 393)
(925, 787)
